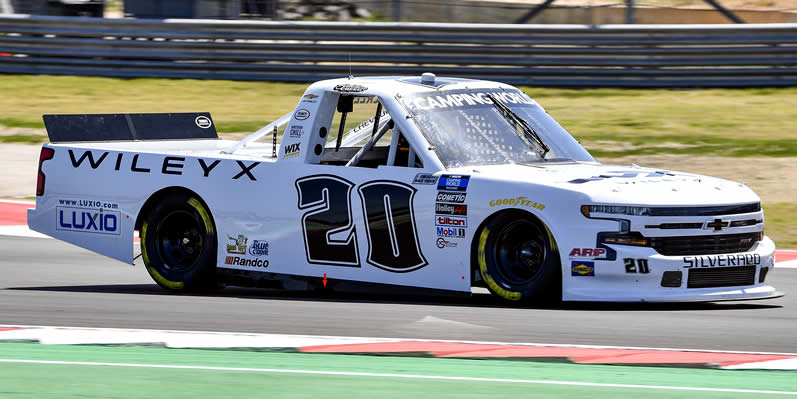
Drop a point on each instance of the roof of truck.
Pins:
(390, 85)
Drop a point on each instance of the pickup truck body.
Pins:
(406, 198)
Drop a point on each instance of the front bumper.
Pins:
(616, 281)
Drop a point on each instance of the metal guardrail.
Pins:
(542, 55)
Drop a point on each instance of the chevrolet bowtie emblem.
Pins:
(717, 225)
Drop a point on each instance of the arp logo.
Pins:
(587, 252)
(88, 220)
(453, 221)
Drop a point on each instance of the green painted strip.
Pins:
(65, 381)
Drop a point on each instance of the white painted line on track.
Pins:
(780, 364)
(20, 231)
(792, 264)
(407, 376)
(32, 332)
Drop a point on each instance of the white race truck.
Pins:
(437, 183)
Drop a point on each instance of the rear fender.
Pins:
(102, 227)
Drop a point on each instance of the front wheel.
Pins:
(178, 244)
(517, 259)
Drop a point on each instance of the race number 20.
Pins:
(330, 234)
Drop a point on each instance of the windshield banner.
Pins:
(469, 98)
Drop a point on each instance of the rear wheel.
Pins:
(517, 259)
(178, 244)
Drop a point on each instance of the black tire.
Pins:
(517, 258)
(178, 244)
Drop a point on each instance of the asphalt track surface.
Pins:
(47, 282)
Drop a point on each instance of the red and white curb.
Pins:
(581, 354)
(13, 222)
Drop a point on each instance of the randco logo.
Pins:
(578, 268)
(239, 261)
(301, 114)
(450, 232)
(450, 209)
(453, 221)
(453, 183)
(87, 220)
(451, 197)
(292, 149)
(587, 252)
(203, 122)
(258, 248)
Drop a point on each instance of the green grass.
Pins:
(780, 224)
(23, 138)
(609, 122)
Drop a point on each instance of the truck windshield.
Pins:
(466, 128)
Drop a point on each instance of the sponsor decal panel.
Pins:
(350, 88)
(450, 221)
(469, 99)
(657, 176)
(450, 209)
(239, 261)
(721, 261)
(169, 165)
(88, 203)
(292, 149)
(450, 232)
(457, 198)
(258, 248)
(296, 131)
(309, 98)
(519, 201)
(582, 268)
(365, 100)
(203, 122)
(88, 220)
(301, 114)
(443, 243)
(238, 245)
(453, 183)
(425, 178)
(587, 252)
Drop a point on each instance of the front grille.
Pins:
(721, 277)
(705, 245)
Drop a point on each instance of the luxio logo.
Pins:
(88, 220)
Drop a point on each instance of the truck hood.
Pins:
(628, 185)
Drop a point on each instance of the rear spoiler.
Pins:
(118, 127)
